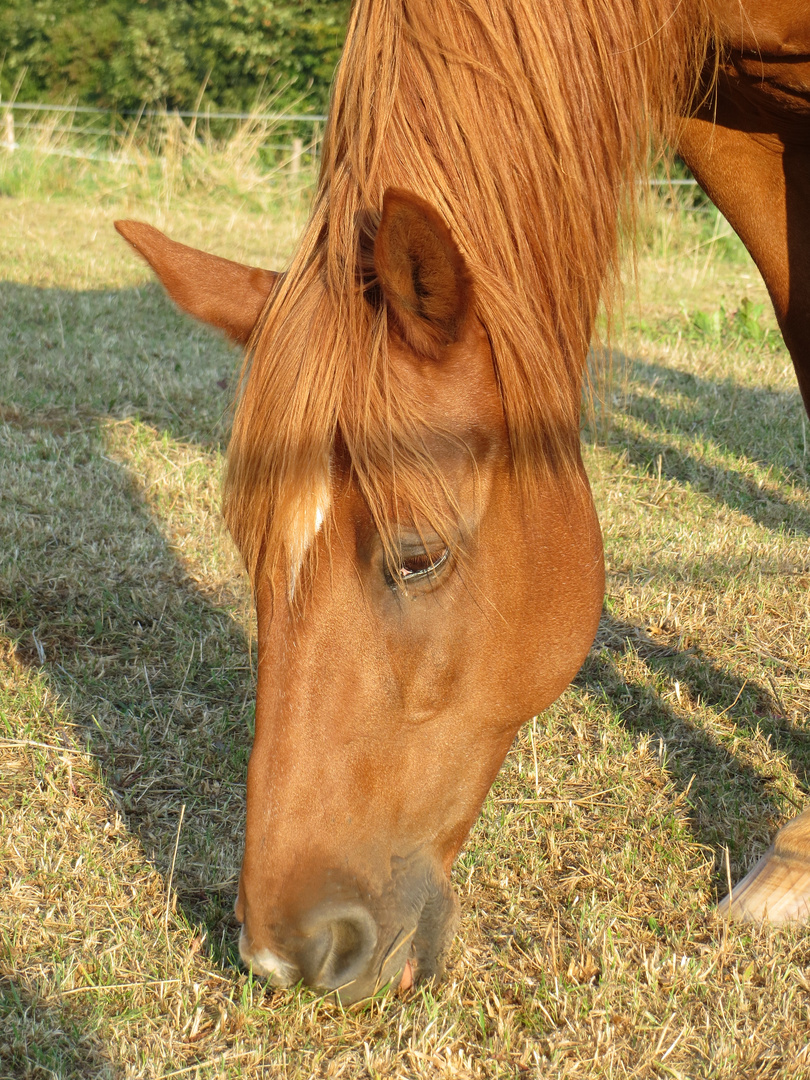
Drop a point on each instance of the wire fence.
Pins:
(296, 135)
(278, 124)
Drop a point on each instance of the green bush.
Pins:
(126, 53)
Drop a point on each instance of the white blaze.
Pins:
(306, 526)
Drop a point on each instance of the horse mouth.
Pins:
(416, 970)
(430, 941)
(408, 975)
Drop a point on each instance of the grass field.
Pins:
(588, 945)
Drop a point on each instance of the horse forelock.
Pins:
(526, 125)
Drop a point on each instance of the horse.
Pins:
(404, 476)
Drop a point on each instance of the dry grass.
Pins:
(161, 157)
(588, 945)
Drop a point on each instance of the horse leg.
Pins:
(761, 184)
(777, 890)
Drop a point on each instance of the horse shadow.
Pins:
(39, 1042)
(151, 666)
(686, 404)
(731, 803)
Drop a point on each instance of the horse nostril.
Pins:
(342, 939)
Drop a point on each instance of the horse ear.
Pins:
(422, 273)
(219, 292)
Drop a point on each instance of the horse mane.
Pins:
(526, 125)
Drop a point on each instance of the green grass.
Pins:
(588, 944)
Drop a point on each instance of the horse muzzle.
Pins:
(342, 948)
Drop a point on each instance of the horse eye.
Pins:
(417, 567)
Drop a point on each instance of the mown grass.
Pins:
(588, 945)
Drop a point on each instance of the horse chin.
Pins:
(431, 941)
(436, 923)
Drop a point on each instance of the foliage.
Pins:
(744, 327)
(126, 53)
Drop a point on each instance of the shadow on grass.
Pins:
(733, 420)
(154, 667)
(114, 353)
(682, 416)
(42, 1040)
(154, 674)
(731, 802)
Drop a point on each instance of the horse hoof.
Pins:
(777, 889)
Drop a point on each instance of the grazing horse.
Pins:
(405, 482)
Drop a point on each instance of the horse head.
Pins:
(399, 652)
